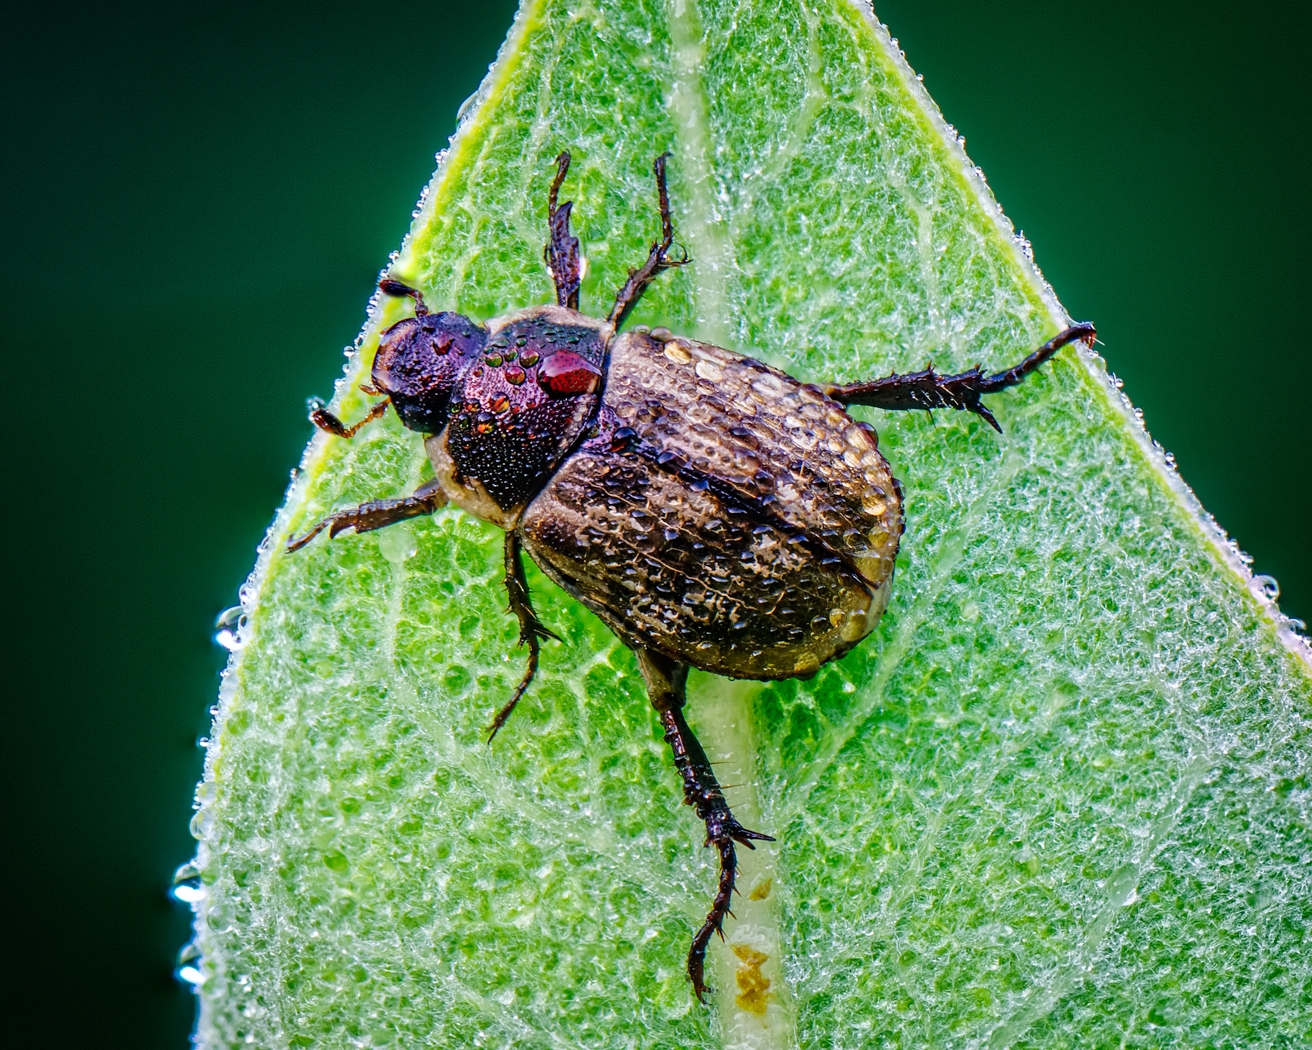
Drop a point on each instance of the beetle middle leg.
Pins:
(377, 514)
(666, 685)
(531, 631)
(929, 389)
(657, 261)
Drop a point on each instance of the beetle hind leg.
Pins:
(928, 389)
(657, 260)
(666, 683)
(531, 631)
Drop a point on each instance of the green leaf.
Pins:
(1060, 797)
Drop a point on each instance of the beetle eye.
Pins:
(566, 374)
(419, 361)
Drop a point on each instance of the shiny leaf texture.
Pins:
(1061, 797)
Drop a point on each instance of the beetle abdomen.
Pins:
(749, 526)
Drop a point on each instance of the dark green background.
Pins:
(196, 203)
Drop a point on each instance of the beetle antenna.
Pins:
(325, 420)
(390, 287)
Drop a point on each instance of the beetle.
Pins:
(712, 510)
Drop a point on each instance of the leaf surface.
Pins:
(1060, 797)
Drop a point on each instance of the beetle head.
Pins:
(419, 361)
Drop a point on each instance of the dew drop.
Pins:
(187, 886)
(676, 353)
(189, 892)
(398, 544)
(464, 109)
(230, 626)
(857, 626)
(187, 969)
(709, 371)
(1268, 586)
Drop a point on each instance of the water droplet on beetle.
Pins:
(857, 626)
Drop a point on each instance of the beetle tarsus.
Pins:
(666, 686)
(377, 514)
(562, 251)
(325, 420)
(503, 715)
(657, 260)
(531, 631)
(928, 389)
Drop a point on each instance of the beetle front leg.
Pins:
(929, 389)
(666, 685)
(562, 250)
(531, 631)
(656, 262)
(377, 514)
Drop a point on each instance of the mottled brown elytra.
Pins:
(713, 511)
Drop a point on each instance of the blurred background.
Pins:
(196, 202)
